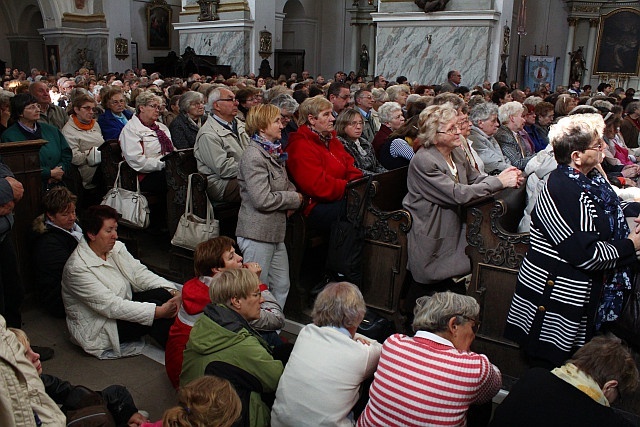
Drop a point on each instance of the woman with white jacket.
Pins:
(110, 298)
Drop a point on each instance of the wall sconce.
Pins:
(208, 10)
(122, 48)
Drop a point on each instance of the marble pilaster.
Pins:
(573, 22)
(591, 48)
(70, 40)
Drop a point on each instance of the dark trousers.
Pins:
(155, 183)
(323, 215)
(416, 290)
(11, 291)
(159, 330)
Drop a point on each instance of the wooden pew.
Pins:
(496, 250)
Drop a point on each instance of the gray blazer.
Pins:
(437, 239)
(266, 194)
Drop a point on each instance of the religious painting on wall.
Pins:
(53, 59)
(618, 43)
(539, 69)
(158, 25)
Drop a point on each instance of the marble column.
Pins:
(372, 49)
(591, 48)
(573, 22)
(355, 48)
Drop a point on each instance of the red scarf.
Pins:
(166, 146)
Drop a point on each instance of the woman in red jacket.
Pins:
(319, 164)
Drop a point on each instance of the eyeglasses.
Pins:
(87, 108)
(196, 104)
(476, 322)
(344, 96)
(156, 106)
(285, 119)
(366, 97)
(228, 99)
(356, 123)
(600, 147)
(453, 131)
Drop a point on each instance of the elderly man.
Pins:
(364, 104)
(66, 86)
(511, 116)
(453, 81)
(288, 107)
(338, 94)
(219, 145)
(49, 113)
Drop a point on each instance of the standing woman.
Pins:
(268, 197)
(439, 181)
(349, 125)
(55, 155)
(186, 125)
(84, 137)
(115, 114)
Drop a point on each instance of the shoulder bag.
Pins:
(193, 229)
(131, 205)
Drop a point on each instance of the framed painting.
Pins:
(618, 43)
(158, 25)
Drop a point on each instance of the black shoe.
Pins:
(45, 353)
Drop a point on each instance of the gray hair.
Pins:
(379, 94)
(387, 110)
(285, 102)
(339, 304)
(395, 90)
(632, 107)
(482, 112)
(145, 98)
(433, 313)
(5, 97)
(509, 109)
(188, 98)
(601, 103)
(532, 100)
(215, 96)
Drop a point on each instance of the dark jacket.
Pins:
(184, 131)
(51, 249)
(389, 162)
(110, 125)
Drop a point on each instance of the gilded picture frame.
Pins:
(618, 46)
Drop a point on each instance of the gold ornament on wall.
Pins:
(122, 47)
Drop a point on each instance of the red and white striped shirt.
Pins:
(425, 381)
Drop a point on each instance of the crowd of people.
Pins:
(280, 146)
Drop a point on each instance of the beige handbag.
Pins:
(131, 205)
(193, 229)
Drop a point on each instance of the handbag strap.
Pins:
(188, 209)
(116, 184)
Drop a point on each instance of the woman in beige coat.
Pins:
(268, 197)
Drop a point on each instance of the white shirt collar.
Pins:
(435, 338)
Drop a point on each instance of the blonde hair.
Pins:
(431, 118)
(205, 402)
(234, 283)
(260, 117)
(21, 336)
(313, 106)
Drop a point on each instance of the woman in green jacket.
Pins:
(55, 155)
(222, 335)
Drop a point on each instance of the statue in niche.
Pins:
(83, 62)
(505, 40)
(80, 4)
(578, 65)
(431, 6)
(364, 61)
(53, 62)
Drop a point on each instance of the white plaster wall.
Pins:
(262, 14)
(119, 22)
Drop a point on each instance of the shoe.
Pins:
(45, 353)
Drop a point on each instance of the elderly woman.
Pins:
(512, 120)
(349, 126)
(399, 94)
(184, 128)
(223, 335)
(268, 197)
(578, 269)
(55, 155)
(319, 164)
(440, 179)
(288, 109)
(539, 140)
(391, 119)
(57, 236)
(84, 137)
(115, 115)
(111, 299)
(564, 104)
(597, 375)
(5, 109)
(630, 127)
(329, 345)
(210, 258)
(440, 378)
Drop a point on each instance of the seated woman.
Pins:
(116, 398)
(186, 125)
(514, 148)
(268, 198)
(318, 163)
(564, 104)
(349, 125)
(57, 236)
(246, 99)
(440, 179)
(223, 335)
(55, 155)
(84, 137)
(581, 251)
(433, 378)
(111, 299)
(115, 115)
(391, 119)
(210, 258)
(544, 118)
(597, 375)
(331, 346)
(144, 141)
